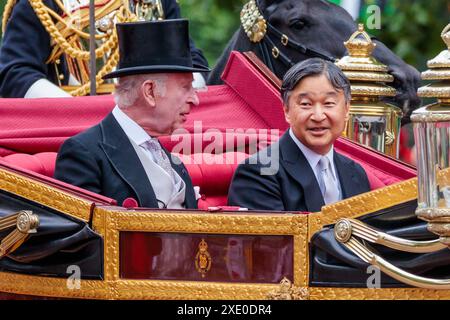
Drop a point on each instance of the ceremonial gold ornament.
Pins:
(287, 291)
(253, 22)
(203, 258)
(371, 121)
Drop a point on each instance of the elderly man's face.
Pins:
(317, 113)
(173, 107)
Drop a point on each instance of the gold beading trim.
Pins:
(45, 195)
(7, 13)
(430, 117)
(363, 204)
(434, 92)
(359, 76)
(176, 290)
(316, 293)
(51, 287)
(370, 90)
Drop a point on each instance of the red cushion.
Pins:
(211, 172)
(42, 163)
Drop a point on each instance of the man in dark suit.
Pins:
(26, 48)
(121, 157)
(302, 171)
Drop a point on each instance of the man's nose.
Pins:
(194, 98)
(318, 112)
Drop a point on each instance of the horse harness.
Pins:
(258, 30)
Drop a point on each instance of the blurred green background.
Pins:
(411, 28)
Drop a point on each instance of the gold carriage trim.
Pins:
(44, 194)
(110, 221)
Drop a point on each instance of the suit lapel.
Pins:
(298, 167)
(124, 159)
(350, 184)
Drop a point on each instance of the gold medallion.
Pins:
(203, 258)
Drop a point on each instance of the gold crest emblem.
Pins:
(203, 258)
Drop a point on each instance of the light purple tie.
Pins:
(326, 181)
(160, 156)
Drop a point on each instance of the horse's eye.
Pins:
(297, 23)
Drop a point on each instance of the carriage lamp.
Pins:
(371, 121)
(432, 137)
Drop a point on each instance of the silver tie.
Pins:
(160, 156)
(327, 183)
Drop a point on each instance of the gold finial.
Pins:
(445, 35)
(360, 27)
(439, 73)
(365, 73)
(358, 47)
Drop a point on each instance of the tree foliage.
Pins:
(410, 28)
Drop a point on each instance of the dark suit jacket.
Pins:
(26, 48)
(103, 160)
(293, 187)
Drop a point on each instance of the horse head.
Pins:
(314, 28)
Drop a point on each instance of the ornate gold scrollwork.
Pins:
(253, 22)
(389, 138)
(26, 223)
(287, 291)
(345, 231)
(203, 258)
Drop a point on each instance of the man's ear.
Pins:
(347, 111)
(148, 92)
(286, 114)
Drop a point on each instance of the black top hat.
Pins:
(154, 47)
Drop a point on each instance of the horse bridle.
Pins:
(259, 30)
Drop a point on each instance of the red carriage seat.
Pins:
(32, 132)
(212, 173)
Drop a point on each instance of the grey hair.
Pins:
(127, 88)
(314, 67)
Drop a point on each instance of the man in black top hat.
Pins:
(121, 157)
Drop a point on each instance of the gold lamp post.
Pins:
(372, 122)
(432, 137)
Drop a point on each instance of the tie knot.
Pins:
(324, 163)
(152, 145)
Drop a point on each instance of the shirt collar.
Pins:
(313, 157)
(133, 131)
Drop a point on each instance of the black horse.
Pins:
(317, 28)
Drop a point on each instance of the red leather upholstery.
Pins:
(212, 173)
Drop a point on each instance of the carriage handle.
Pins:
(345, 231)
(25, 222)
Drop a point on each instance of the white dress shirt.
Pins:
(313, 159)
